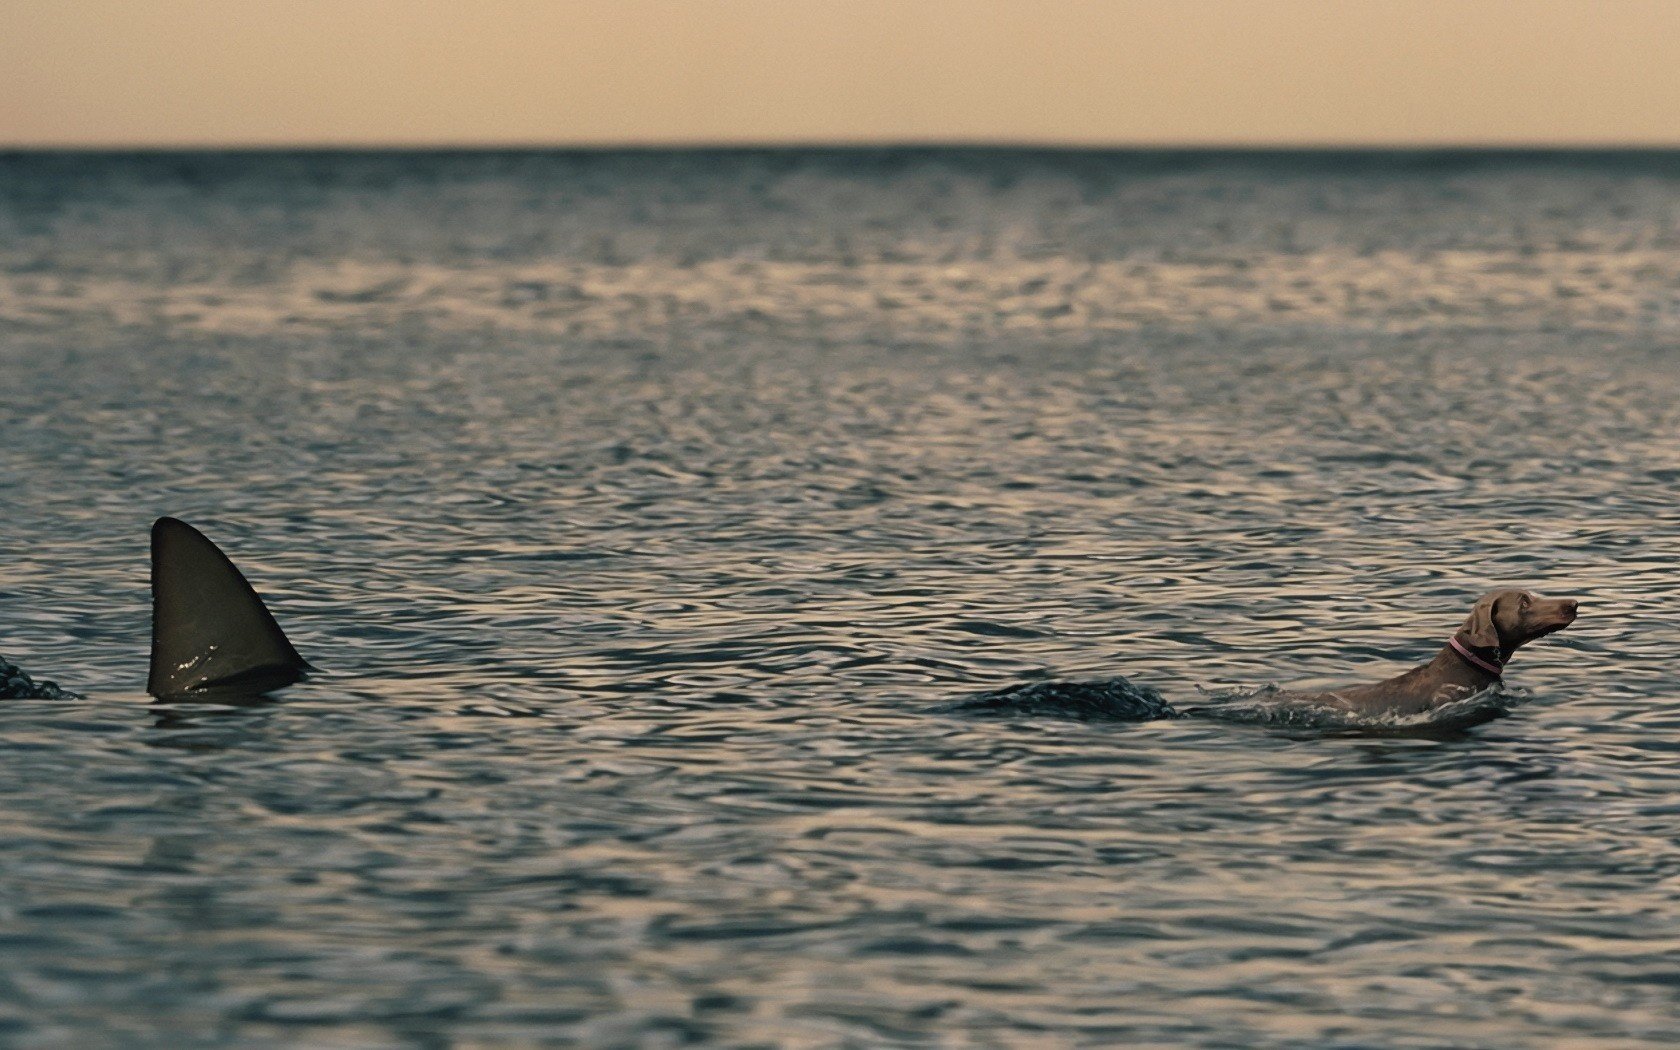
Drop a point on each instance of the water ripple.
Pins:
(650, 513)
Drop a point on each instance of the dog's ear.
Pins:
(1479, 630)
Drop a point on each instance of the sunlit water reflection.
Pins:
(649, 513)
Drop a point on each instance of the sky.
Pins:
(660, 72)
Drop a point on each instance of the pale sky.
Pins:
(1077, 72)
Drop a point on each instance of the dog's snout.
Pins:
(1570, 607)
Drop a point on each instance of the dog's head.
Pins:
(1504, 620)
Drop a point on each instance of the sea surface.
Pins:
(648, 514)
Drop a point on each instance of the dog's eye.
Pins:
(1524, 603)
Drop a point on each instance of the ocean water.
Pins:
(647, 513)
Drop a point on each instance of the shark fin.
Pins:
(210, 631)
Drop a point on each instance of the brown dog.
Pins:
(1473, 658)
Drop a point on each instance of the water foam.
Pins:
(1275, 706)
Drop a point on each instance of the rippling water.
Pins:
(648, 511)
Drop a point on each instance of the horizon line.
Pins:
(1375, 147)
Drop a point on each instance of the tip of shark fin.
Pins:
(210, 630)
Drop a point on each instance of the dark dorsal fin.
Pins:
(209, 628)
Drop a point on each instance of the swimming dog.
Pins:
(1473, 659)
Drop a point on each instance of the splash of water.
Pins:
(1122, 700)
(1274, 706)
(15, 685)
(1113, 699)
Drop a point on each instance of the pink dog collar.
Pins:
(1492, 667)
